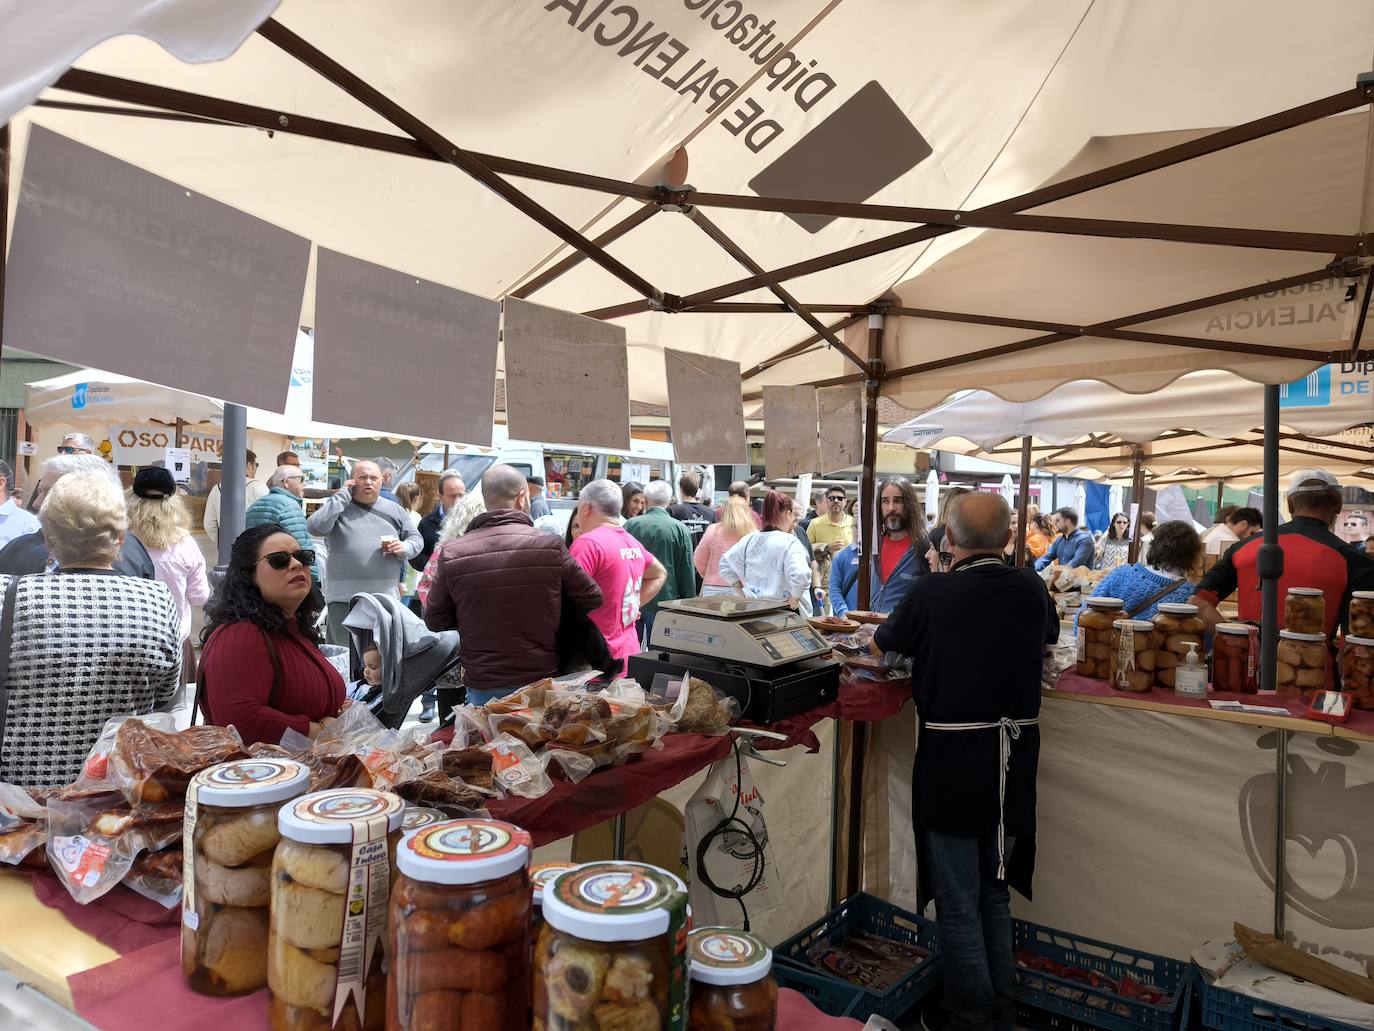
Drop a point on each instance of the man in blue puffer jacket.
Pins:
(901, 556)
(282, 504)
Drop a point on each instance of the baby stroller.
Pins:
(413, 656)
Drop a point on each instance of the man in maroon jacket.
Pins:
(502, 586)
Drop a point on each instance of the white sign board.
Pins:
(149, 442)
(177, 461)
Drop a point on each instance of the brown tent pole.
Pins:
(1137, 499)
(1221, 495)
(1023, 503)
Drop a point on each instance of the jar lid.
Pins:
(1133, 624)
(1234, 628)
(247, 782)
(1363, 595)
(1178, 608)
(417, 816)
(327, 817)
(468, 851)
(613, 902)
(1306, 592)
(1364, 642)
(725, 956)
(1101, 602)
(542, 873)
(1293, 635)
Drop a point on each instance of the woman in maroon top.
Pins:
(263, 669)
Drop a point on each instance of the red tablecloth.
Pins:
(867, 701)
(1361, 720)
(121, 919)
(145, 989)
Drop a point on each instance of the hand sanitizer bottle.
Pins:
(1190, 677)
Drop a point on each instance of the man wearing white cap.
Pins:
(1313, 556)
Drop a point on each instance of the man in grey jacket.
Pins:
(369, 539)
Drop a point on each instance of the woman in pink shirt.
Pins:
(626, 572)
(736, 522)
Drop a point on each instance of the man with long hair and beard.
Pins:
(900, 557)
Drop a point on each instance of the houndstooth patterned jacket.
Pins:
(86, 646)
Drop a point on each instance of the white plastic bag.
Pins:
(736, 848)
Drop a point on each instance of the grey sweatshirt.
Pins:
(356, 563)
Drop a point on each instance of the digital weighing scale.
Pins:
(758, 650)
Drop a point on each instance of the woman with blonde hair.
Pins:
(735, 523)
(158, 517)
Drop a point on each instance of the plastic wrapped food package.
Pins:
(699, 708)
(1176, 626)
(1302, 666)
(229, 838)
(1132, 661)
(612, 951)
(151, 765)
(331, 877)
(1304, 610)
(460, 929)
(515, 769)
(1357, 670)
(1235, 658)
(93, 839)
(732, 982)
(23, 827)
(1095, 636)
(1362, 614)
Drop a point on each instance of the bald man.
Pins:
(369, 538)
(977, 636)
(502, 586)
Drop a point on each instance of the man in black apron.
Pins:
(977, 635)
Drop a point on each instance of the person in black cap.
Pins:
(158, 517)
(539, 505)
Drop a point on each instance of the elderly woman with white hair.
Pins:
(83, 645)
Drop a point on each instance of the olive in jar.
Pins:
(230, 833)
(732, 983)
(1304, 610)
(1176, 626)
(1095, 636)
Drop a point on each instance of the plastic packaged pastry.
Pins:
(460, 929)
(732, 982)
(612, 951)
(1304, 610)
(1357, 670)
(1176, 626)
(1235, 658)
(331, 879)
(1095, 636)
(1302, 666)
(1132, 664)
(229, 834)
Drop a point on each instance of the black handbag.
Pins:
(580, 643)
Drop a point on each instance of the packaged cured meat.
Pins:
(23, 826)
(93, 839)
(230, 836)
(441, 791)
(732, 982)
(471, 765)
(1357, 670)
(698, 708)
(1303, 662)
(1304, 610)
(460, 929)
(158, 876)
(1132, 661)
(612, 951)
(1235, 658)
(1176, 626)
(515, 769)
(152, 765)
(331, 881)
(1095, 636)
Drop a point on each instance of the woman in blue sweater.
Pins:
(1171, 557)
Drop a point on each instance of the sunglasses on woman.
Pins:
(280, 560)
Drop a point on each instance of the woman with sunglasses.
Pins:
(1115, 545)
(262, 670)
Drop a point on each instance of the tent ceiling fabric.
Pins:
(1006, 96)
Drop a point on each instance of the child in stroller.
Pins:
(369, 688)
(400, 657)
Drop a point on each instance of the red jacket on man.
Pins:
(501, 586)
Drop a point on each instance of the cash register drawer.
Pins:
(764, 695)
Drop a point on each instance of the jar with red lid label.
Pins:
(1303, 661)
(1357, 670)
(1133, 657)
(732, 982)
(1362, 614)
(1304, 610)
(1235, 658)
(460, 928)
(1095, 636)
(1176, 627)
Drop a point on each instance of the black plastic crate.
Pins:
(837, 998)
(864, 913)
(1225, 1010)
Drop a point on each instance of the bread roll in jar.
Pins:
(1133, 656)
(1176, 626)
(1095, 636)
(1302, 665)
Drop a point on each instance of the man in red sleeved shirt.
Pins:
(1313, 556)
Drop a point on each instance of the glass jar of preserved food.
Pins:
(1176, 626)
(612, 952)
(1304, 610)
(1362, 614)
(416, 816)
(229, 834)
(460, 928)
(1357, 670)
(1132, 666)
(1235, 655)
(1095, 636)
(732, 983)
(1303, 660)
(541, 874)
(331, 878)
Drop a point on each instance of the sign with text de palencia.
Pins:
(147, 442)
